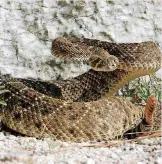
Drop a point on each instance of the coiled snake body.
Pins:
(83, 108)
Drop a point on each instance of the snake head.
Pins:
(103, 62)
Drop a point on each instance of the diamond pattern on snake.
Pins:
(83, 108)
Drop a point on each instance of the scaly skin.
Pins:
(35, 114)
(144, 56)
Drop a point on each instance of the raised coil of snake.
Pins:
(83, 108)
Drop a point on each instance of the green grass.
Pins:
(140, 89)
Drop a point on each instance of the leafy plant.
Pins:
(141, 88)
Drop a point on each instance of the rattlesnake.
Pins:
(84, 107)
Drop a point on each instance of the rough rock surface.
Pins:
(27, 29)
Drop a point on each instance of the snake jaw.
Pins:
(103, 63)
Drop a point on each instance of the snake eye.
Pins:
(99, 65)
(94, 62)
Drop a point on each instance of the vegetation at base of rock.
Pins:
(141, 88)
